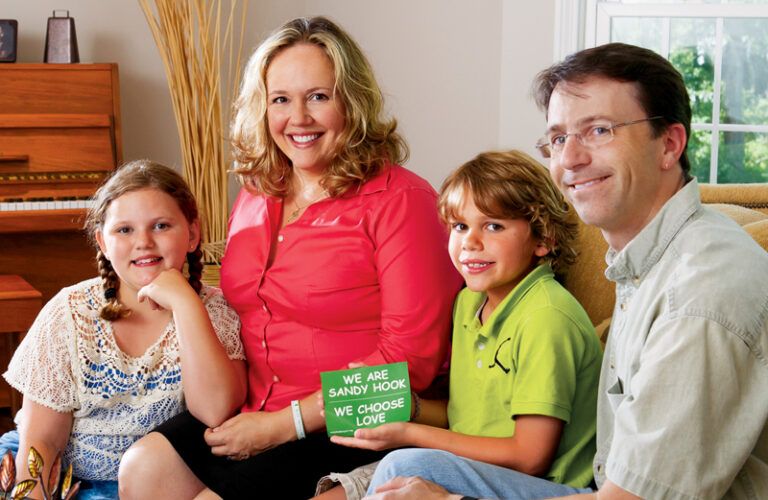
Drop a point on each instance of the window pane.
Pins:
(699, 153)
(744, 95)
(742, 157)
(641, 31)
(732, 2)
(692, 52)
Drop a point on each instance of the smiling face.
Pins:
(616, 186)
(492, 254)
(305, 117)
(144, 233)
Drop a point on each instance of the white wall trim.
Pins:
(569, 27)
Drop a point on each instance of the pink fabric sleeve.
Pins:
(418, 285)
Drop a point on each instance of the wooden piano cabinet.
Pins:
(48, 260)
(19, 305)
(60, 136)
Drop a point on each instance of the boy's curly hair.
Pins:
(512, 185)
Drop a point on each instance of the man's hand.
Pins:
(411, 487)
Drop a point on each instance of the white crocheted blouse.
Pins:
(70, 362)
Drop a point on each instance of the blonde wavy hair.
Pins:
(512, 185)
(368, 141)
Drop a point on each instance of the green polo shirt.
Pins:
(537, 354)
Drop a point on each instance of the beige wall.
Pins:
(456, 73)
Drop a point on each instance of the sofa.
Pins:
(747, 204)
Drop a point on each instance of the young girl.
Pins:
(525, 359)
(104, 362)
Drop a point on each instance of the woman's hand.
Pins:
(383, 437)
(166, 290)
(249, 434)
(321, 401)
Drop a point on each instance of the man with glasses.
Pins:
(683, 398)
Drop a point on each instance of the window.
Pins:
(721, 49)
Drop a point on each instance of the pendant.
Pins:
(293, 215)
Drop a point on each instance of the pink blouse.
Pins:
(364, 277)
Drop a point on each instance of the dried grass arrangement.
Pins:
(196, 40)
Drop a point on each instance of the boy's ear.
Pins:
(542, 249)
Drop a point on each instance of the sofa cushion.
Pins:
(759, 231)
(586, 278)
(741, 215)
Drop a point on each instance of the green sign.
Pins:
(366, 397)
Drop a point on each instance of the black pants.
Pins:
(289, 471)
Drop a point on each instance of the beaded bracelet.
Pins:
(416, 406)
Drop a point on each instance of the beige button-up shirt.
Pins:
(683, 398)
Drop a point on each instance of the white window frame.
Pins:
(582, 24)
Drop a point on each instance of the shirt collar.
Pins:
(378, 183)
(644, 250)
(506, 306)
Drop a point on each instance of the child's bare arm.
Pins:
(531, 450)
(214, 385)
(432, 412)
(48, 431)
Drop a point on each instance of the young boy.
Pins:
(525, 359)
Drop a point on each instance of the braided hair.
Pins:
(133, 176)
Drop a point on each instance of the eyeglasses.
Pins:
(591, 136)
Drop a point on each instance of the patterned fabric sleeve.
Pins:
(225, 322)
(41, 367)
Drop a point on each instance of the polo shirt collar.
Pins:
(636, 259)
(506, 306)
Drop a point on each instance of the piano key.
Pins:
(44, 205)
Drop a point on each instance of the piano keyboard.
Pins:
(44, 205)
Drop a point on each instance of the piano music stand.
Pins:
(19, 305)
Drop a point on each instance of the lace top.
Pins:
(70, 362)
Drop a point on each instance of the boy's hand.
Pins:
(383, 437)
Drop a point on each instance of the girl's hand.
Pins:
(166, 290)
(383, 437)
(249, 434)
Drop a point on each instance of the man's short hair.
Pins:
(660, 87)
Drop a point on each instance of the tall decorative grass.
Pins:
(197, 39)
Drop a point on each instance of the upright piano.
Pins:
(59, 138)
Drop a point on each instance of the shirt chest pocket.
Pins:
(615, 394)
(345, 300)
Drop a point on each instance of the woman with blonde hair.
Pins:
(335, 255)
